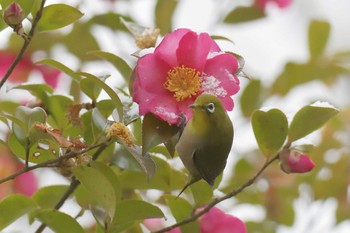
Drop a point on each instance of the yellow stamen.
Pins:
(183, 81)
(119, 130)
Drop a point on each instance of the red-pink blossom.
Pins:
(24, 68)
(215, 220)
(219, 222)
(13, 14)
(295, 162)
(25, 184)
(280, 3)
(183, 66)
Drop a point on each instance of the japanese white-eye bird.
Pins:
(206, 140)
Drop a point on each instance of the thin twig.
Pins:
(55, 162)
(73, 185)
(25, 44)
(233, 193)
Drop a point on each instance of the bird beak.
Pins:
(196, 106)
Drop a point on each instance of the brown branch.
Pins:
(73, 185)
(55, 162)
(233, 193)
(25, 44)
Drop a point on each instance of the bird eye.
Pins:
(211, 107)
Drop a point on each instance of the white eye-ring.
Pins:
(211, 107)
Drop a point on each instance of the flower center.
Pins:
(183, 81)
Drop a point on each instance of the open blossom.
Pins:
(280, 3)
(183, 66)
(25, 67)
(295, 162)
(215, 220)
(25, 184)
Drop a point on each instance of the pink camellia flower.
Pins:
(25, 184)
(280, 3)
(295, 162)
(219, 222)
(183, 66)
(25, 67)
(215, 220)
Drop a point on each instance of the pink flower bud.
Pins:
(13, 15)
(295, 162)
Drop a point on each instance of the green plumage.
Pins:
(206, 140)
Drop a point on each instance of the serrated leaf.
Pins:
(57, 221)
(99, 186)
(117, 62)
(319, 32)
(61, 67)
(164, 11)
(57, 16)
(134, 210)
(116, 100)
(244, 14)
(13, 207)
(308, 119)
(47, 197)
(156, 131)
(270, 129)
(251, 97)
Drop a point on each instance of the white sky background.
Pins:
(266, 45)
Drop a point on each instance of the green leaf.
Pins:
(57, 107)
(90, 89)
(48, 197)
(57, 16)
(57, 221)
(133, 210)
(37, 152)
(251, 97)
(156, 131)
(61, 67)
(38, 90)
(270, 129)
(181, 209)
(319, 32)
(202, 192)
(165, 177)
(295, 74)
(144, 160)
(99, 186)
(308, 119)
(116, 100)
(110, 20)
(244, 14)
(13, 207)
(111, 176)
(29, 116)
(218, 37)
(99, 121)
(164, 11)
(117, 62)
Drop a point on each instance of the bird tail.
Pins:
(193, 180)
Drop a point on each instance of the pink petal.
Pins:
(295, 162)
(219, 222)
(156, 224)
(26, 184)
(194, 49)
(151, 74)
(170, 43)
(50, 75)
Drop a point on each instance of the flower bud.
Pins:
(13, 15)
(295, 162)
